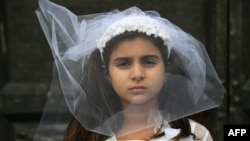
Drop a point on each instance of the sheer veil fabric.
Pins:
(73, 38)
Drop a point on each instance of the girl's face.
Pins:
(136, 71)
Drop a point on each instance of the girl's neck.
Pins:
(139, 114)
(139, 121)
(144, 135)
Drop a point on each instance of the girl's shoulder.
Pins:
(201, 132)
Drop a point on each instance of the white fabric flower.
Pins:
(142, 24)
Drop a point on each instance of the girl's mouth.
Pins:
(137, 89)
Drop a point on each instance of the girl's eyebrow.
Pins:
(121, 58)
(143, 57)
(151, 56)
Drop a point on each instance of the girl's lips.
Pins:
(137, 89)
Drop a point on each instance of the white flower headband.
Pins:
(142, 24)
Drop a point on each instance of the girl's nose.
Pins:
(137, 72)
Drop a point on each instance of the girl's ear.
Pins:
(168, 66)
(106, 74)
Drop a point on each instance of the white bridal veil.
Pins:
(191, 87)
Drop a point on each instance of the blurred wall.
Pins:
(26, 61)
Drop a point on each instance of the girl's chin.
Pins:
(140, 101)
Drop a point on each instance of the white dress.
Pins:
(199, 130)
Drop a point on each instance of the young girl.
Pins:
(130, 75)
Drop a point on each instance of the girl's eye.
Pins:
(124, 63)
(149, 62)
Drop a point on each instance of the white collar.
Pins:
(169, 134)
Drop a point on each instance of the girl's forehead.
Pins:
(135, 47)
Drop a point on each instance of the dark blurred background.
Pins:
(26, 61)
